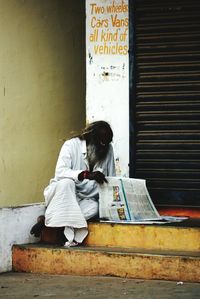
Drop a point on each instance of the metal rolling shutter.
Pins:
(167, 99)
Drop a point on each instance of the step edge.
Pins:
(111, 250)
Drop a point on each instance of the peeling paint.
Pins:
(90, 58)
(118, 167)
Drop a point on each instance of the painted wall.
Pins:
(107, 95)
(15, 226)
(42, 91)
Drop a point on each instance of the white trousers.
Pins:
(66, 209)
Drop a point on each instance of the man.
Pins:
(72, 196)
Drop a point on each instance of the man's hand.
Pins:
(97, 176)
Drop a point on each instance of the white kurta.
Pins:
(70, 202)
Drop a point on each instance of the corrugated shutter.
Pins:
(167, 99)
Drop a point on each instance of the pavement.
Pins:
(25, 286)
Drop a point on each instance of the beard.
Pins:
(96, 153)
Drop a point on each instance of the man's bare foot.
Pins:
(37, 228)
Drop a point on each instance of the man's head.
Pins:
(99, 134)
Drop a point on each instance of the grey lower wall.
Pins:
(15, 225)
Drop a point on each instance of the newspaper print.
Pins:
(125, 199)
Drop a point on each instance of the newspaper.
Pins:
(127, 200)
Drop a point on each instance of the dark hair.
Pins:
(92, 130)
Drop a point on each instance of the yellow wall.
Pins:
(42, 91)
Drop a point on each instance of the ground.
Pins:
(25, 286)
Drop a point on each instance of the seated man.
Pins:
(72, 196)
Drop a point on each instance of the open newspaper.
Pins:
(127, 200)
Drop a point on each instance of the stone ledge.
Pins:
(106, 261)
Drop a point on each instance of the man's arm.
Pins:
(64, 166)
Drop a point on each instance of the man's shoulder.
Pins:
(75, 141)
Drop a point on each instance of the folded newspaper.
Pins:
(127, 200)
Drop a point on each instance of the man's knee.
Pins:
(89, 208)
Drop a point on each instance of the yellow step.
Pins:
(148, 237)
(130, 263)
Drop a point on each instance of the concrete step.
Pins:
(86, 260)
(179, 237)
